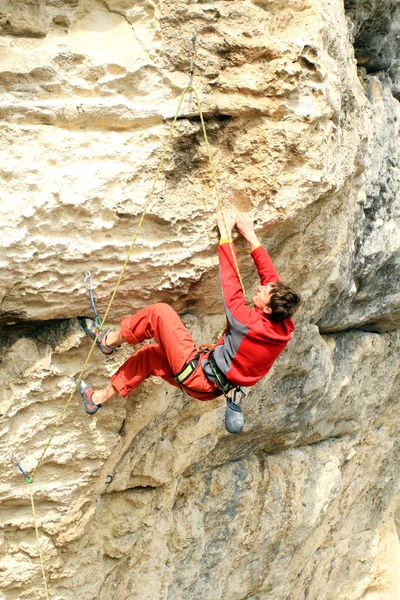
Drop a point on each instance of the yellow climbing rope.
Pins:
(30, 479)
(38, 541)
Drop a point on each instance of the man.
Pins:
(253, 340)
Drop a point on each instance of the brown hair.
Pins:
(283, 302)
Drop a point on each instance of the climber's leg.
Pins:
(148, 360)
(160, 321)
(114, 339)
(101, 396)
(145, 362)
(174, 350)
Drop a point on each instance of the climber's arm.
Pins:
(263, 262)
(236, 309)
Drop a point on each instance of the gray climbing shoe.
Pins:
(87, 392)
(234, 422)
(89, 327)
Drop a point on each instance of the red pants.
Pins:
(175, 347)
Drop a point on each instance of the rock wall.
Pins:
(305, 504)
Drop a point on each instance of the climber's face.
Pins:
(263, 297)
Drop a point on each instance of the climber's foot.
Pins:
(87, 394)
(90, 328)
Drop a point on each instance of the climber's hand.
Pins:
(245, 224)
(230, 219)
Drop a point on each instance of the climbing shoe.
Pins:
(87, 392)
(89, 327)
(233, 417)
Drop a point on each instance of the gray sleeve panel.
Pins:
(205, 365)
(225, 353)
(231, 319)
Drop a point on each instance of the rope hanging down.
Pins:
(189, 88)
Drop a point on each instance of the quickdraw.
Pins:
(26, 477)
(192, 50)
(99, 322)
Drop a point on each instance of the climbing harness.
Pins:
(222, 382)
(188, 89)
(88, 277)
(185, 374)
(234, 395)
(187, 370)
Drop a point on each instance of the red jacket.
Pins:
(253, 342)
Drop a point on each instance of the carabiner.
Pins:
(88, 277)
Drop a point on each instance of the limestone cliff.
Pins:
(301, 109)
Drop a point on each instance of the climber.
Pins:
(253, 340)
